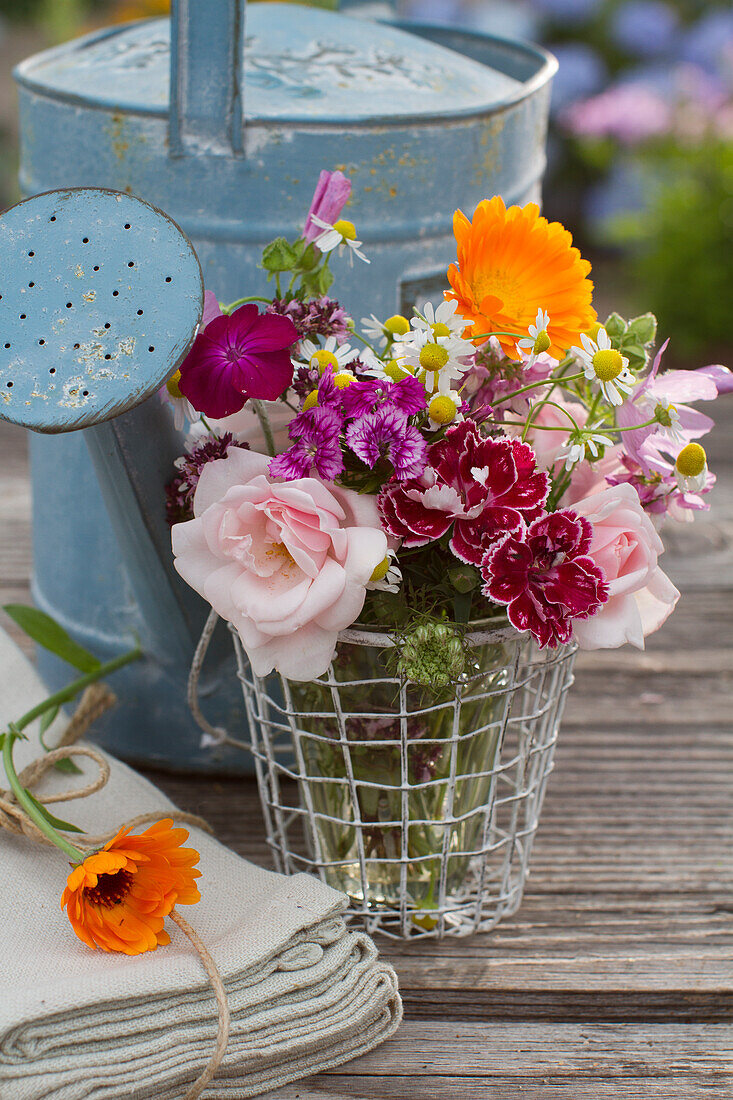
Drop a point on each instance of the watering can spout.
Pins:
(102, 297)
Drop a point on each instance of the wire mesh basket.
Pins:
(422, 807)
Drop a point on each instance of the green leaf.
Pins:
(47, 721)
(65, 764)
(615, 326)
(46, 632)
(644, 328)
(54, 822)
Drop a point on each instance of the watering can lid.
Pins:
(301, 65)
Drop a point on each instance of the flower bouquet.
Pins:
(410, 525)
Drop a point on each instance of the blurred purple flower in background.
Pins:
(645, 28)
(628, 113)
(709, 43)
(574, 10)
(582, 73)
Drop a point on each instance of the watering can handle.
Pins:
(207, 77)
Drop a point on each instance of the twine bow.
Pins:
(97, 699)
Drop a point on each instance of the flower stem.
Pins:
(259, 408)
(29, 805)
(72, 689)
(244, 301)
(535, 385)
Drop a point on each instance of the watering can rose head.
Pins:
(286, 563)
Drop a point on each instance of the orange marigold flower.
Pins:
(119, 897)
(512, 263)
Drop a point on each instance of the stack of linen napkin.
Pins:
(305, 993)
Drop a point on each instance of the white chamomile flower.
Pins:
(387, 577)
(437, 360)
(666, 416)
(538, 340)
(578, 445)
(691, 468)
(183, 411)
(332, 354)
(443, 409)
(602, 363)
(342, 234)
(374, 330)
(440, 322)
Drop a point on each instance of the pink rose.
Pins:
(286, 562)
(626, 547)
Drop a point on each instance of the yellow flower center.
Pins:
(608, 364)
(343, 379)
(173, 387)
(439, 329)
(381, 571)
(346, 228)
(323, 359)
(311, 401)
(397, 325)
(542, 342)
(394, 371)
(442, 410)
(691, 460)
(433, 357)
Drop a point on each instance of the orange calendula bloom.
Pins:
(119, 897)
(512, 263)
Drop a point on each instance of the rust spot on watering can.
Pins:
(116, 130)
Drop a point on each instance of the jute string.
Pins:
(13, 819)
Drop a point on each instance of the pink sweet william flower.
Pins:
(245, 355)
(546, 577)
(366, 395)
(286, 563)
(481, 488)
(329, 199)
(317, 435)
(386, 435)
(626, 547)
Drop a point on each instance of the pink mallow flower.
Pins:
(287, 564)
(677, 387)
(245, 355)
(626, 547)
(544, 575)
(481, 488)
(330, 197)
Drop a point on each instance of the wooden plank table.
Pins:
(615, 978)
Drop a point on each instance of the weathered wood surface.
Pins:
(614, 981)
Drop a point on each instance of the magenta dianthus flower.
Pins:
(317, 443)
(245, 355)
(386, 434)
(545, 576)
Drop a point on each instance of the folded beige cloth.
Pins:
(305, 993)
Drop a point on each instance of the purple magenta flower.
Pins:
(237, 357)
(317, 443)
(330, 197)
(647, 28)
(322, 317)
(386, 434)
(362, 397)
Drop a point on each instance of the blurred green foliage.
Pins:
(680, 246)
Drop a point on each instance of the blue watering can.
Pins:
(225, 125)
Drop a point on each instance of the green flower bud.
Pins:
(465, 578)
(432, 656)
(279, 255)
